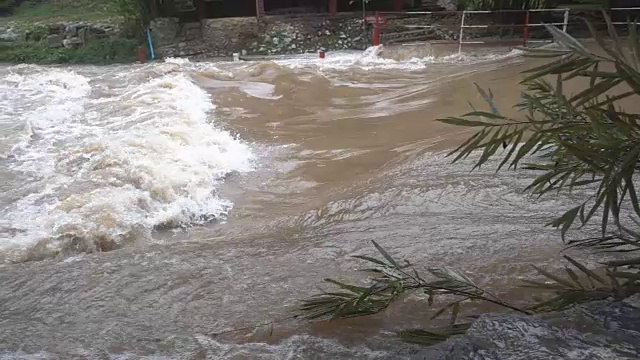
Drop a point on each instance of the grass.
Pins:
(56, 11)
(105, 51)
(34, 16)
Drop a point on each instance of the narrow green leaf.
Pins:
(455, 309)
(514, 145)
(386, 255)
(633, 43)
(370, 259)
(626, 275)
(464, 122)
(624, 262)
(485, 114)
(352, 288)
(574, 277)
(541, 285)
(555, 278)
(585, 270)
(566, 220)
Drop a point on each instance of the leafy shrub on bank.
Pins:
(105, 51)
(571, 140)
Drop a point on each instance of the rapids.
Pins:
(146, 207)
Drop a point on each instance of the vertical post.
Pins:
(202, 9)
(364, 14)
(333, 7)
(464, 13)
(565, 24)
(259, 8)
(153, 54)
(376, 30)
(527, 20)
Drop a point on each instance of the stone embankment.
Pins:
(275, 35)
(270, 35)
(267, 36)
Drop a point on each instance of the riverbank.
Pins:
(105, 51)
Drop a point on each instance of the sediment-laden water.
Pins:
(146, 207)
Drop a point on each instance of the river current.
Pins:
(146, 208)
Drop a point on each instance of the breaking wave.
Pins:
(104, 165)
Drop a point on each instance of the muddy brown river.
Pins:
(145, 208)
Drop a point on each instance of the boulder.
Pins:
(56, 29)
(55, 40)
(71, 30)
(10, 35)
(73, 42)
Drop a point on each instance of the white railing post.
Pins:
(461, 32)
(565, 24)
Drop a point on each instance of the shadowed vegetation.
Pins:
(63, 10)
(96, 52)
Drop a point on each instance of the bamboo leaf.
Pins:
(455, 309)
(464, 122)
(584, 269)
(574, 277)
(352, 288)
(485, 114)
(555, 278)
(566, 220)
(386, 255)
(370, 259)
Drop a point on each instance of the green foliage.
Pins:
(389, 281)
(582, 140)
(95, 52)
(62, 10)
(38, 32)
(131, 10)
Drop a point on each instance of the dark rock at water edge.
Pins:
(595, 331)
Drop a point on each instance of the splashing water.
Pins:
(105, 168)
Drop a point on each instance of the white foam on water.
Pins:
(371, 59)
(259, 90)
(111, 169)
(185, 64)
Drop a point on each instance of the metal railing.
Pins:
(379, 20)
(527, 25)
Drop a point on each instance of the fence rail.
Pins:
(380, 19)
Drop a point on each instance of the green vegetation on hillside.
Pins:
(55, 11)
(34, 18)
(582, 140)
(96, 52)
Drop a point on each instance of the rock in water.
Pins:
(603, 330)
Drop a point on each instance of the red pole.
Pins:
(526, 28)
(376, 31)
(141, 54)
